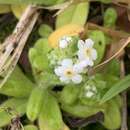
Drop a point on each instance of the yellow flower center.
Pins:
(69, 73)
(88, 52)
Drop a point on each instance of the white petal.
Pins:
(84, 63)
(64, 79)
(90, 63)
(77, 79)
(89, 43)
(81, 55)
(78, 68)
(87, 62)
(63, 44)
(67, 63)
(59, 71)
(68, 39)
(89, 94)
(63, 38)
(94, 89)
(94, 54)
(81, 44)
(88, 87)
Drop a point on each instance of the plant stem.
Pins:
(110, 32)
(124, 98)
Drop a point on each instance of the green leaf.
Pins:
(14, 84)
(4, 9)
(45, 2)
(110, 17)
(48, 80)
(112, 122)
(38, 55)
(18, 107)
(50, 117)
(105, 1)
(74, 14)
(30, 127)
(60, 1)
(100, 43)
(69, 94)
(116, 89)
(110, 79)
(45, 30)
(42, 45)
(34, 104)
(81, 111)
(109, 68)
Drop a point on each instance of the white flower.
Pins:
(87, 54)
(90, 91)
(67, 72)
(80, 66)
(64, 41)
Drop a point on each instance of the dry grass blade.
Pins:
(10, 65)
(13, 46)
(121, 1)
(12, 41)
(128, 12)
(116, 52)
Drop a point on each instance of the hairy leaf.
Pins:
(112, 122)
(50, 117)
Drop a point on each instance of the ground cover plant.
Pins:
(64, 64)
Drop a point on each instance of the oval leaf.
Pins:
(50, 117)
(74, 14)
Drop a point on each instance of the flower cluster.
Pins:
(71, 70)
(64, 41)
(90, 91)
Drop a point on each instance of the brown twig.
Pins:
(110, 32)
(124, 98)
(123, 44)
